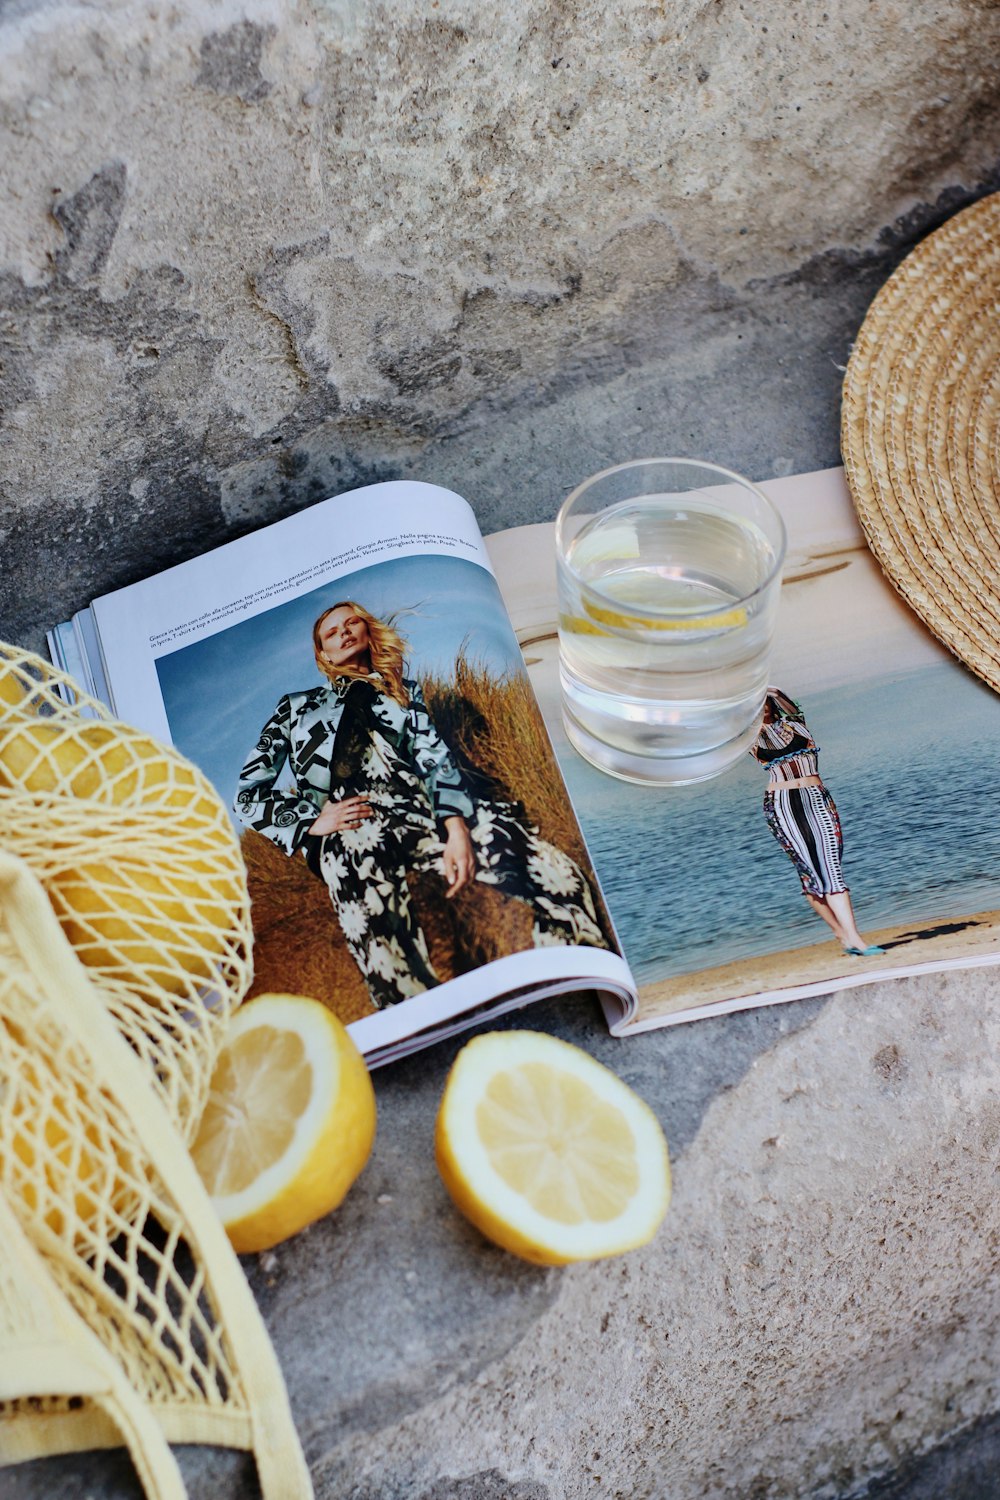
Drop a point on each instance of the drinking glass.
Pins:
(669, 579)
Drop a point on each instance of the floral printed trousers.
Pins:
(365, 870)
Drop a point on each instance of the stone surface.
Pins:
(820, 1306)
(965, 1468)
(252, 253)
(822, 1301)
(259, 251)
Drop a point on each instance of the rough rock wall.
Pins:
(255, 251)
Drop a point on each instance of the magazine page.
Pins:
(350, 683)
(244, 579)
(718, 890)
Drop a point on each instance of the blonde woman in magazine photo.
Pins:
(378, 795)
(803, 817)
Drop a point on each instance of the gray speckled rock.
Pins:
(256, 252)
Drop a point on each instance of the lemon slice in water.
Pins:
(599, 621)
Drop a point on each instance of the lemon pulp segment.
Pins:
(266, 1072)
(568, 1154)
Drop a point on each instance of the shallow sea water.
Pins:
(694, 877)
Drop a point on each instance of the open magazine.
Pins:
(733, 893)
(349, 681)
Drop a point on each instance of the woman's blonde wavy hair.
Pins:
(386, 648)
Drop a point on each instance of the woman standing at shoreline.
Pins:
(803, 817)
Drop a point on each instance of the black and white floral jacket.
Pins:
(302, 732)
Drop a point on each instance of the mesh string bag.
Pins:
(141, 865)
(45, 1346)
(101, 1182)
(124, 947)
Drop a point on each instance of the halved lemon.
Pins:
(289, 1122)
(547, 1152)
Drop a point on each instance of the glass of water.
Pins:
(669, 579)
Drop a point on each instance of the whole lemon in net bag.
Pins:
(134, 847)
(140, 865)
(13, 690)
(70, 1165)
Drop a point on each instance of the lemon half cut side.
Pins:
(289, 1122)
(548, 1152)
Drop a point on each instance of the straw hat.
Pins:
(920, 433)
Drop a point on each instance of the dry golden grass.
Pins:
(494, 726)
(495, 730)
(298, 945)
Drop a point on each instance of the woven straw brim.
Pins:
(920, 433)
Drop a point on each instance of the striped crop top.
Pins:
(787, 749)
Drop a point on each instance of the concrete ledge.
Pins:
(260, 251)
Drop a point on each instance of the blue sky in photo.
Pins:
(220, 691)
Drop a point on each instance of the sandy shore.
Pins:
(909, 947)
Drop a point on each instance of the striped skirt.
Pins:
(805, 821)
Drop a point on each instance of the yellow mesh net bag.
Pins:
(124, 947)
(47, 1347)
(142, 867)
